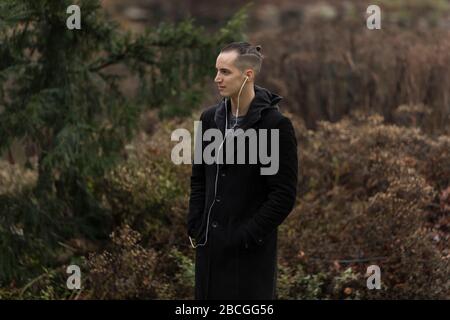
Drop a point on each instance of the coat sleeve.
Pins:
(197, 195)
(282, 191)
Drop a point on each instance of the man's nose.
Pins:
(217, 78)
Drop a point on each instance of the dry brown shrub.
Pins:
(366, 200)
(125, 271)
(327, 69)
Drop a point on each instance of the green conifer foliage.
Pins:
(60, 92)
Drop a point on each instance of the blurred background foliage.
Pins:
(86, 118)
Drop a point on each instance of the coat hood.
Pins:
(263, 100)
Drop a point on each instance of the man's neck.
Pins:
(247, 95)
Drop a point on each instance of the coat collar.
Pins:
(263, 100)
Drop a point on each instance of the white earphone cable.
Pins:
(217, 163)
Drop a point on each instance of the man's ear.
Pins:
(250, 73)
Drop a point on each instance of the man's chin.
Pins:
(225, 94)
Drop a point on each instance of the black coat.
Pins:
(239, 260)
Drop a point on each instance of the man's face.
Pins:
(228, 78)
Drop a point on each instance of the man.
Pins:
(234, 210)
